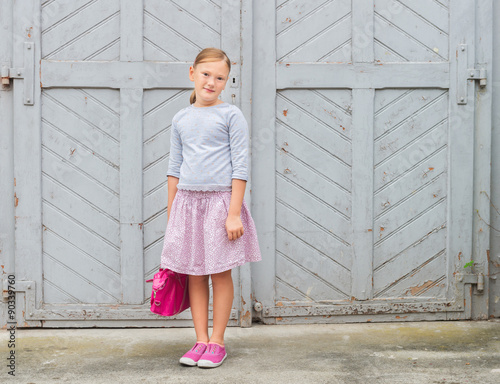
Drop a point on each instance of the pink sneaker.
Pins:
(192, 356)
(213, 357)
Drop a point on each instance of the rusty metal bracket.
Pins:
(26, 73)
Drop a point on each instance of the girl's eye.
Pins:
(220, 78)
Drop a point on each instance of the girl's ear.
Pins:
(191, 73)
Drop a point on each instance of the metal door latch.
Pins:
(464, 74)
(26, 73)
(477, 279)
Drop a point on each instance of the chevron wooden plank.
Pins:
(74, 283)
(432, 11)
(305, 229)
(289, 12)
(320, 265)
(80, 156)
(96, 44)
(56, 294)
(290, 143)
(86, 265)
(315, 210)
(154, 230)
(155, 149)
(394, 106)
(301, 32)
(54, 12)
(417, 203)
(323, 136)
(169, 28)
(285, 293)
(152, 254)
(401, 44)
(305, 281)
(409, 157)
(408, 260)
(165, 42)
(155, 202)
(411, 129)
(311, 109)
(107, 98)
(431, 221)
(330, 45)
(391, 195)
(324, 189)
(414, 26)
(203, 10)
(80, 210)
(155, 175)
(292, 11)
(155, 99)
(81, 130)
(80, 102)
(411, 284)
(89, 242)
(81, 183)
(77, 25)
(158, 117)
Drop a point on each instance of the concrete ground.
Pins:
(419, 352)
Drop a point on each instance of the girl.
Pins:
(210, 229)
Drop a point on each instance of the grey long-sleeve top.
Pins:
(209, 147)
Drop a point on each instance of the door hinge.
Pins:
(26, 73)
(476, 279)
(464, 74)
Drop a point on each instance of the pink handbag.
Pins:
(170, 294)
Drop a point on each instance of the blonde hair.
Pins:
(209, 54)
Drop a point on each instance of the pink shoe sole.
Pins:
(192, 356)
(213, 357)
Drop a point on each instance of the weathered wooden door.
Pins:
(91, 149)
(363, 147)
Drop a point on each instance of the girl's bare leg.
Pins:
(198, 298)
(222, 284)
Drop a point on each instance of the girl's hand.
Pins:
(234, 227)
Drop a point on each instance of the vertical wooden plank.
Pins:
(482, 155)
(263, 147)
(461, 154)
(131, 146)
(495, 172)
(7, 201)
(246, 108)
(27, 152)
(362, 193)
(131, 30)
(131, 229)
(362, 31)
(362, 155)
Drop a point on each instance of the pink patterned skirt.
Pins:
(196, 241)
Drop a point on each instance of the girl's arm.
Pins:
(172, 190)
(234, 226)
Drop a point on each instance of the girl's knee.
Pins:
(226, 275)
(198, 278)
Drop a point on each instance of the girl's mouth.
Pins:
(209, 90)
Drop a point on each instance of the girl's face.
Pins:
(210, 79)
